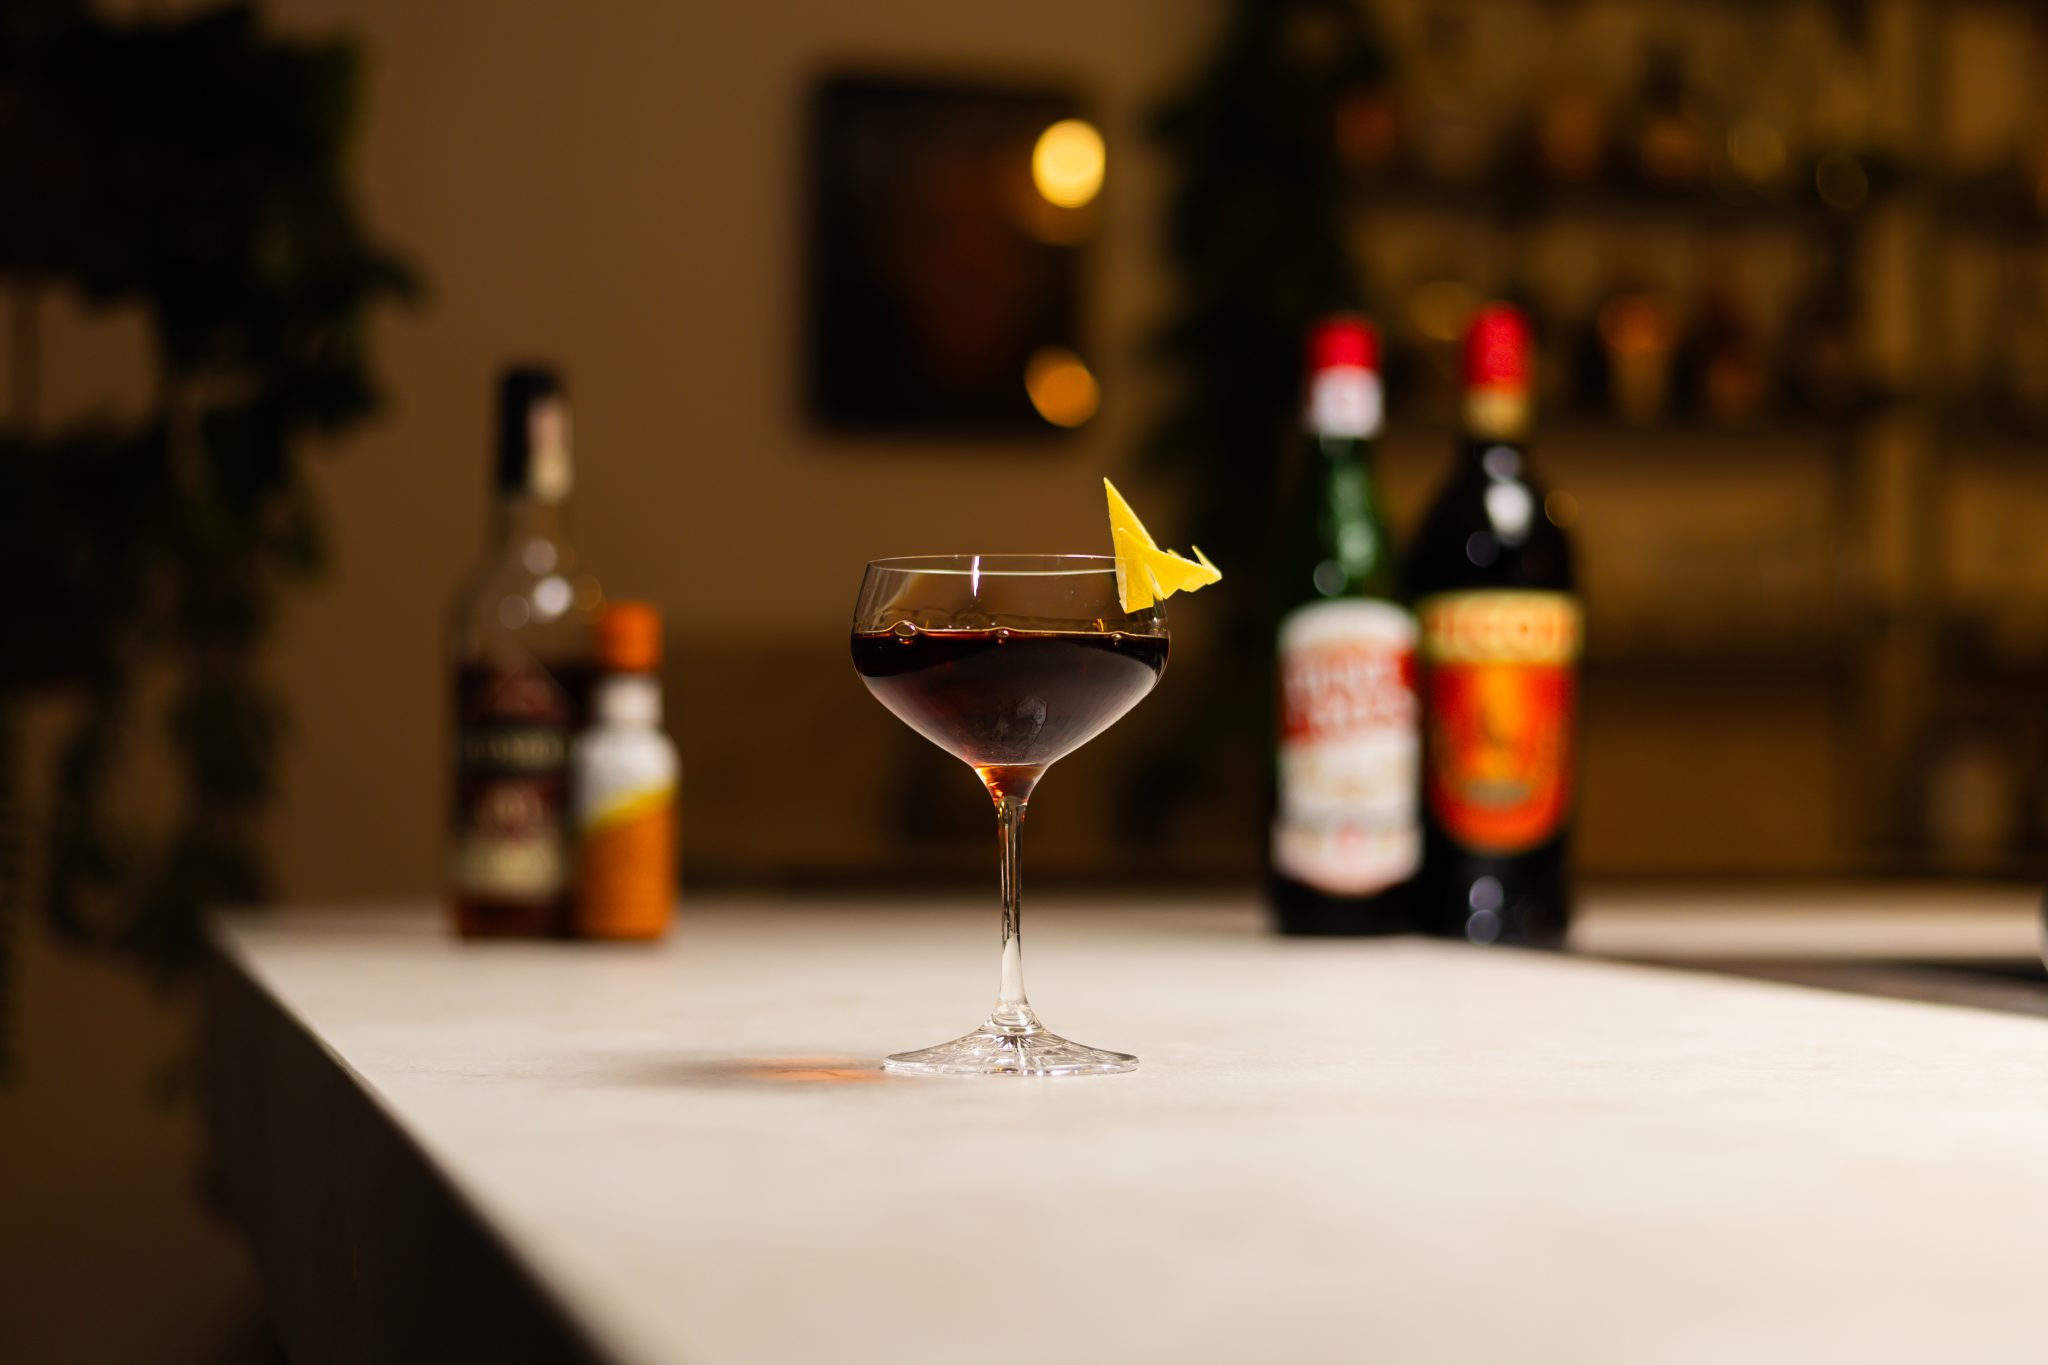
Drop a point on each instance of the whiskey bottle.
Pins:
(520, 642)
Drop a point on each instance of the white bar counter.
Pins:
(1370, 1151)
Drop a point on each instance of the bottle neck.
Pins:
(1496, 416)
(632, 699)
(521, 518)
(1344, 405)
(1339, 525)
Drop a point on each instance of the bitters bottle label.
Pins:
(626, 861)
(1349, 748)
(1501, 680)
(511, 782)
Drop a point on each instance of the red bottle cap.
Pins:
(1497, 349)
(1343, 341)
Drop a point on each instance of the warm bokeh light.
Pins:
(1637, 324)
(1061, 387)
(1441, 309)
(1068, 162)
(1757, 150)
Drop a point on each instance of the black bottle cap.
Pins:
(521, 389)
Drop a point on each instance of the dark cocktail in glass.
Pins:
(1007, 662)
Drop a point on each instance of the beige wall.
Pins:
(617, 185)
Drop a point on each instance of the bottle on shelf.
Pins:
(623, 774)
(1821, 373)
(1753, 154)
(1368, 128)
(1571, 120)
(1972, 811)
(1669, 138)
(520, 637)
(1571, 134)
(1841, 105)
(2029, 158)
(1452, 123)
(1501, 631)
(1629, 353)
(1722, 374)
(1345, 843)
(1752, 150)
(2018, 345)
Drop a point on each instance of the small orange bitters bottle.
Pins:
(623, 776)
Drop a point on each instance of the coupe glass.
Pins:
(1007, 662)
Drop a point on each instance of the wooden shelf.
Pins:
(1999, 205)
(1602, 440)
(1976, 434)
(1626, 198)
(1970, 662)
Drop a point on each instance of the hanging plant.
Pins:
(193, 169)
(1255, 234)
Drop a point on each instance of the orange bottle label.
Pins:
(626, 870)
(1500, 682)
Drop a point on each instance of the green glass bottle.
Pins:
(1346, 840)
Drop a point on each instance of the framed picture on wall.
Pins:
(946, 224)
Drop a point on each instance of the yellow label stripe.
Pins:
(633, 806)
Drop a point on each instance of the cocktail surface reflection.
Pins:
(1007, 662)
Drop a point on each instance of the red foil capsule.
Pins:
(1343, 342)
(1497, 349)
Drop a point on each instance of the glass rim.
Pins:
(1000, 565)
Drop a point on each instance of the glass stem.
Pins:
(1013, 1011)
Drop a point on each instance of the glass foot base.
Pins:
(992, 1050)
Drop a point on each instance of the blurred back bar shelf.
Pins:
(1790, 275)
(1517, 198)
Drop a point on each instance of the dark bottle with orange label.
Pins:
(1501, 635)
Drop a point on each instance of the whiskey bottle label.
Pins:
(513, 727)
(1349, 748)
(1500, 677)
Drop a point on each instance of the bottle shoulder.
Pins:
(1486, 530)
(506, 604)
(1333, 537)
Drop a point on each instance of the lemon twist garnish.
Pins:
(1146, 574)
